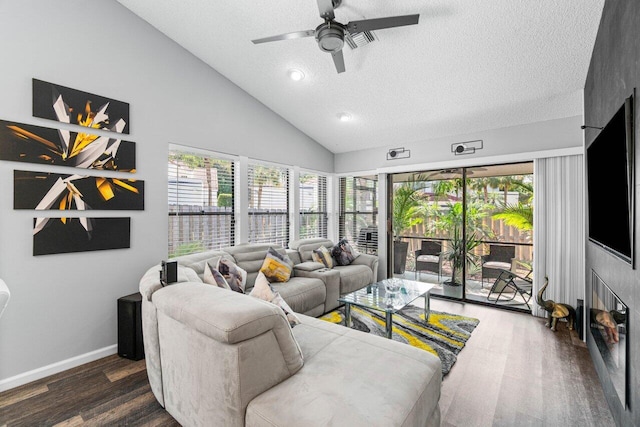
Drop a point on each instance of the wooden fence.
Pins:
(501, 234)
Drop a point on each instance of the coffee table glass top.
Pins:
(376, 295)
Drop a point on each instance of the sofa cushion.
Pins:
(302, 293)
(353, 277)
(354, 397)
(250, 257)
(198, 261)
(276, 267)
(306, 246)
(322, 255)
(262, 289)
(309, 266)
(228, 317)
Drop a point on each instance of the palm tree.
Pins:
(406, 208)
(452, 218)
(519, 216)
(407, 212)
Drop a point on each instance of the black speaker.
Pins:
(169, 273)
(130, 344)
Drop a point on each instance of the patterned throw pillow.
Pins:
(276, 267)
(235, 276)
(213, 277)
(322, 255)
(263, 290)
(344, 253)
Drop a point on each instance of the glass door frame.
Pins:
(463, 171)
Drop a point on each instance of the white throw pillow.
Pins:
(262, 289)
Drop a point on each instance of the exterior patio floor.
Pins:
(476, 292)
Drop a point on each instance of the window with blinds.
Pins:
(268, 193)
(358, 220)
(201, 202)
(313, 205)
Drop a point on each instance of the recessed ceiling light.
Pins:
(296, 75)
(344, 117)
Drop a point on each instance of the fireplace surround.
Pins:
(609, 326)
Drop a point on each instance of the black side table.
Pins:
(130, 343)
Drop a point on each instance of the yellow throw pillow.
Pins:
(276, 267)
(322, 255)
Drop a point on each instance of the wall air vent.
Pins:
(359, 39)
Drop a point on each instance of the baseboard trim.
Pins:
(54, 368)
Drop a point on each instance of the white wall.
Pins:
(63, 306)
(516, 143)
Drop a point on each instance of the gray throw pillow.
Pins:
(343, 253)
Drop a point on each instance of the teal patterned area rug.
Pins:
(444, 335)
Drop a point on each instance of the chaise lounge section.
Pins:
(217, 357)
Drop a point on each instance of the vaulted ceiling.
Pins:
(466, 66)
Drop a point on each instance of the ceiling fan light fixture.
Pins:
(330, 37)
(344, 117)
(295, 74)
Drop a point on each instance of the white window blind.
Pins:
(200, 195)
(359, 212)
(313, 205)
(268, 204)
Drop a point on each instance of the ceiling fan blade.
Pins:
(287, 36)
(338, 60)
(326, 9)
(381, 23)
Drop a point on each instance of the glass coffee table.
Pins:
(388, 296)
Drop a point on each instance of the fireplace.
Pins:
(609, 325)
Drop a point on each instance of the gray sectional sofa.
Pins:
(217, 357)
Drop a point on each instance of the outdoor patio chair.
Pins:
(500, 257)
(429, 257)
(508, 285)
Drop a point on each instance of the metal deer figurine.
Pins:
(556, 310)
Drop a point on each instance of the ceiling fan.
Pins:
(330, 34)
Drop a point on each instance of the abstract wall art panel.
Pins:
(64, 235)
(52, 191)
(36, 144)
(66, 105)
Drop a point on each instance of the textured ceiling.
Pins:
(467, 66)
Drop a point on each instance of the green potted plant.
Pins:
(407, 212)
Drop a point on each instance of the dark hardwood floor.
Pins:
(512, 372)
(108, 392)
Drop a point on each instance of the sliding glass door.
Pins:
(460, 228)
(499, 201)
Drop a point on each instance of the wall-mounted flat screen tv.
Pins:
(610, 185)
